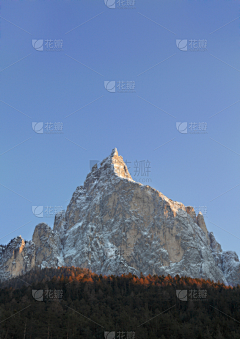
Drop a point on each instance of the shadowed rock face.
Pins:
(114, 225)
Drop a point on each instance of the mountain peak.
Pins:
(120, 168)
(114, 152)
(114, 225)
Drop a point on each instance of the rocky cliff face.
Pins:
(18, 257)
(227, 261)
(114, 225)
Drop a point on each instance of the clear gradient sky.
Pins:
(86, 43)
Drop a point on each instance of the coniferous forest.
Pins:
(70, 302)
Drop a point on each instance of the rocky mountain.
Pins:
(114, 225)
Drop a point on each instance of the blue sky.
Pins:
(86, 43)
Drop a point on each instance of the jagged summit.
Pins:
(114, 225)
(113, 164)
(114, 152)
(120, 168)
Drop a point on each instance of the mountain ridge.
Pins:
(114, 225)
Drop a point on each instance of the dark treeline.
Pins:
(76, 303)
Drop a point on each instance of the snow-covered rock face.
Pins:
(114, 225)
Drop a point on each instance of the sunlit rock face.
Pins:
(114, 225)
(17, 257)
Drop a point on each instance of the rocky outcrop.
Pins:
(231, 267)
(191, 212)
(114, 225)
(201, 223)
(227, 261)
(18, 257)
(47, 242)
